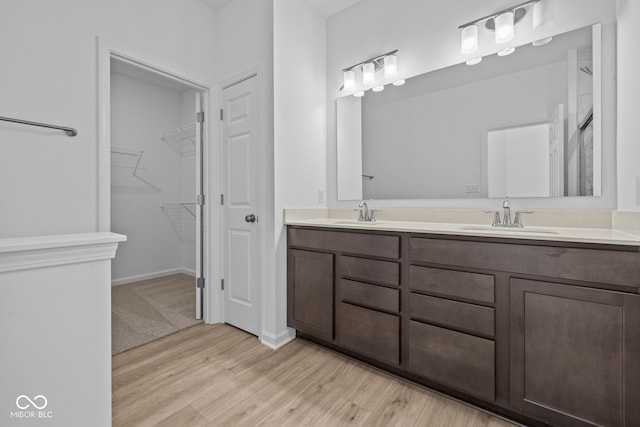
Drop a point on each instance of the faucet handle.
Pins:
(360, 215)
(518, 220)
(496, 217)
(372, 214)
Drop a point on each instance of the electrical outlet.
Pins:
(472, 188)
(320, 196)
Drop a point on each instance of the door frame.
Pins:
(263, 190)
(106, 51)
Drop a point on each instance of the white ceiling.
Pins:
(326, 8)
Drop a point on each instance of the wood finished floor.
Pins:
(217, 375)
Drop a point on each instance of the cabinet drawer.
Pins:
(459, 315)
(462, 361)
(369, 295)
(380, 245)
(368, 332)
(370, 270)
(618, 266)
(471, 286)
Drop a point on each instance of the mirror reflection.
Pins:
(518, 126)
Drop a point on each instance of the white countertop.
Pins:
(555, 234)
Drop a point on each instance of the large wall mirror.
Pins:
(523, 125)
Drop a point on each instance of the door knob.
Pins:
(250, 218)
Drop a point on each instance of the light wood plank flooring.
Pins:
(216, 375)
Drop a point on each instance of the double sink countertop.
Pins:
(611, 236)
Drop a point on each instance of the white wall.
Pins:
(628, 105)
(140, 113)
(300, 115)
(427, 36)
(55, 327)
(49, 74)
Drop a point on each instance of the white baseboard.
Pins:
(275, 342)
(139, 277)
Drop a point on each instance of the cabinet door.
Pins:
(575, 354)
(310, 293)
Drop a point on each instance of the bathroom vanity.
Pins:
(542, 328)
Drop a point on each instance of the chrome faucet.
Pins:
(506, 217)
(365, 214)
(364, 211)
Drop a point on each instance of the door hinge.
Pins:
(200, 199)
(222, 284)
(222, 199)
(200, 116)
(221, 114)
(200, 282)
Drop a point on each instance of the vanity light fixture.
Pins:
(370, 67)
(469, 39)
(359, 94)
(378, 88)
(399, 82)
(349, 80)
(474, 61)
(504, 27)
(369, 73)
(503, 23)
(390, 66)
(542, 14)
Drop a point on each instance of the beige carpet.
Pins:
(147, 310)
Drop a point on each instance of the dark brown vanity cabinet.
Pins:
(545, 332)
(310, 299)
(575, 354)
(452, 329)
(368, 307)
(351, 290)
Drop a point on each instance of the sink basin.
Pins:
(355, 222)
(507, 229)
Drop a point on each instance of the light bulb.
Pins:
(369, 73)
(349, 80)
(359, 94)
(390, 66)
(504, 27)
(378, 89)
(469, 39)
(542, 14)
(398, 82)
(474, 61)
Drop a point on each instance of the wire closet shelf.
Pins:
(182, 140)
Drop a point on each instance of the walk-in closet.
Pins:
(154, 143)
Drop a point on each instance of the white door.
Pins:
(241, 144)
